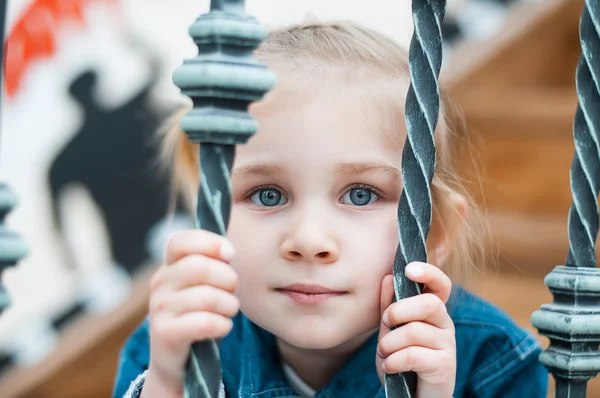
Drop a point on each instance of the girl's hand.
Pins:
(425, 344)
(191, 299)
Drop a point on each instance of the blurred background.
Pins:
(88, 91)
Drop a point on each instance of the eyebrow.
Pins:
(260, 170)
(351, 168)
(362, 168)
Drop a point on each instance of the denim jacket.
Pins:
(495, 358)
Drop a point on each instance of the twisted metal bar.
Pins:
(221, 81)
(12, 247)
(572, 320)
(585, 170)
(418, 160)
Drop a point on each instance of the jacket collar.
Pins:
(252, 367)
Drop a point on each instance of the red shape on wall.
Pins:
(33, 36)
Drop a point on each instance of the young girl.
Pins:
(313, 225)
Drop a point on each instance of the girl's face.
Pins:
(315, 194)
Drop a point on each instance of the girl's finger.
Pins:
(435, 280)
(426, 308)
(179, 332)
(196, 299)
(198, 241)
(195, 270)
(386, 298)
(415, 334)
(418, 360)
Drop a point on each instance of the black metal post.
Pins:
(221, 81)
(572, 320)
(418, 160)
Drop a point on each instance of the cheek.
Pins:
(375, 244)
(235, 230)
(379, 262)
(372, 253)
(254, 248)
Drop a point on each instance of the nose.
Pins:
(309, 240)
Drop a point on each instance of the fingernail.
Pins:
(379, 353)
(414, 270)
(385, 318)
(227, 251)
(383, 369)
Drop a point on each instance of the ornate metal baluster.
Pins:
(418, 161)
(572, 321)
(221, 81)
(12, 247)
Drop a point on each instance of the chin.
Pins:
(311, 332)
(310, 335)
(312, 341)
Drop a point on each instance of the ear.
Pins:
(444, 235)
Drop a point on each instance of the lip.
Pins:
(309, 294)
(310, 289)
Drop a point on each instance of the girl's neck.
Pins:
(316, 367)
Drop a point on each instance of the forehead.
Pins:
(335, 114)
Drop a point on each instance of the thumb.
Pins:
(386, 299)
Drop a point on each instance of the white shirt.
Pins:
(297, 383)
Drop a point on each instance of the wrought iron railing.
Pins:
(221, 81)
(418, 160)
(224, 79)
(573, 355)
(12, 247)
(572, 321)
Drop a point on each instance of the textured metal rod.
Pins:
(572, 320)
(418, 160)
(585, 170)
(221, 81)
(12, 247)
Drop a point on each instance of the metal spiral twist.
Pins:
(221, 81)
(12, 247)
(418, 159)
(585, 170)
(572, 320)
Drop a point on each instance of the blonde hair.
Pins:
(302, 52)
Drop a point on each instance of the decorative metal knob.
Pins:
(12, 247)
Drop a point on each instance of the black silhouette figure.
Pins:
(454, 30)
(115, 156)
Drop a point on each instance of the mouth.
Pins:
(310, 294)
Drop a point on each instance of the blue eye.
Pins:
(359, 197)
(268, 197)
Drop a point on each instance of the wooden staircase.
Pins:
(518, 97)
